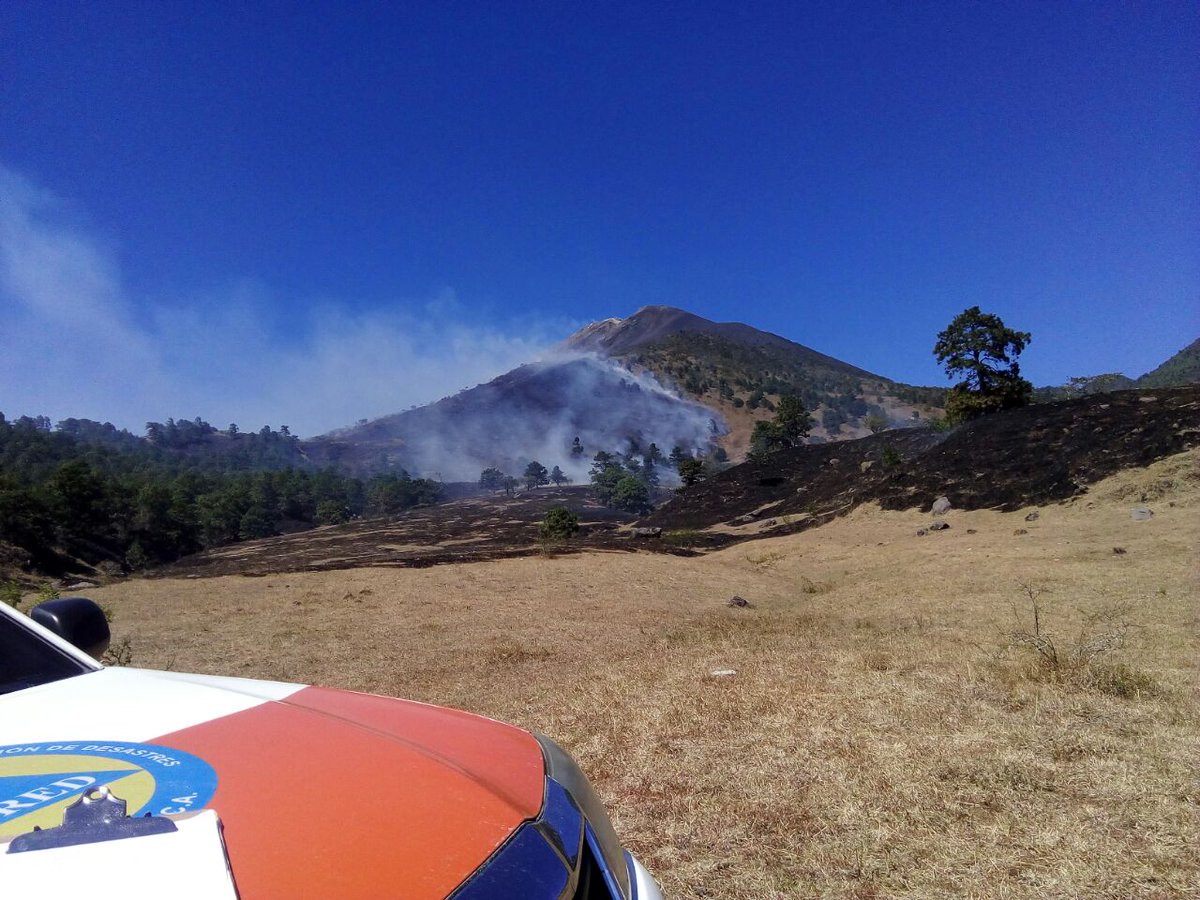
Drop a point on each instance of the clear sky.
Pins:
(308, 213)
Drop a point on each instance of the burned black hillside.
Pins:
(1035, 455)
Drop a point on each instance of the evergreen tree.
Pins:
(491, 479)
(788, 428)
(536, 475)
(632, 495)
(691, 471)
(980, 348)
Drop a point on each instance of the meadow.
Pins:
(1006, 708)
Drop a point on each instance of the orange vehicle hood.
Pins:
(334, 794)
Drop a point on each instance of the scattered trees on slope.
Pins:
(621, 484)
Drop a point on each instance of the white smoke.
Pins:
(535, 413)
(76, 343)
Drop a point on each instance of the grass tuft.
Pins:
(682, 537)
(808, 586)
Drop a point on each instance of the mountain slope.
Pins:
(653, 324)
(1182, 368)
(740, 372)
(663, 375)
(531, 413)
(1035, 455)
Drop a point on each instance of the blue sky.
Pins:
(312, 213)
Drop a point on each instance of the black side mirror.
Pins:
(77, 620)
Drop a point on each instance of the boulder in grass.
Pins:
(941, 506)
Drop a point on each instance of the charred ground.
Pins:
(1028, 457)
(465, 530)
(1032, 456)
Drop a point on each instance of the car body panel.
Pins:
(320, 792)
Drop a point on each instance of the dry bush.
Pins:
(808, 586)
(768, 559)
(119, 653)
(1082, 659)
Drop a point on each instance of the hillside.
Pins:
(531, 413)
(1182, 368)
(879, 729)
(1031, 456)
(740, 372)
(662, 376)
(1035, 456)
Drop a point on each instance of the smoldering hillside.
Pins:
(533, 412)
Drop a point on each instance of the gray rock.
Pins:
(646, 532)
(1141, 513)
(938, 526)
(742, 602)
(921, 532)
(941, 506)
(1033, 516)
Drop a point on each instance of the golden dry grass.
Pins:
(877, 739)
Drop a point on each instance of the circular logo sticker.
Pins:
(38, 781)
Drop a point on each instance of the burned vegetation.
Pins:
(1036, 455)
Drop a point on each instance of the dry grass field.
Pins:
(893, 728)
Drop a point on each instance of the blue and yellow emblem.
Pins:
(38, 781)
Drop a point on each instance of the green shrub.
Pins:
(11, 593)
(560, 524)
(939, 424)
(682, 537)
(135, 557)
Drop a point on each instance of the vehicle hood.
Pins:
(321, 793)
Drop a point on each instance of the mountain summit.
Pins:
(740, 372)
(654, 324)
(662, 375)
